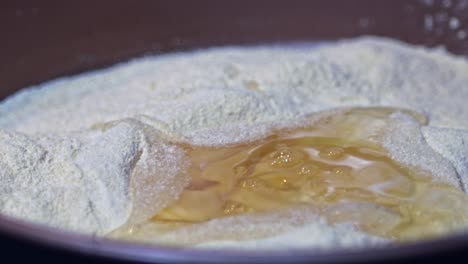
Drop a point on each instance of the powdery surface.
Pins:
(81, 182)
(88, 153)
(304, 237)
(406, 144)
(453, 145)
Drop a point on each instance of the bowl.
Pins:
(48, 39)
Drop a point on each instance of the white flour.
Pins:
(64, 165)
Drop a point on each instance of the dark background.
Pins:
(45, 39)
(40, 40)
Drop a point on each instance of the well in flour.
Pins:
(109, 142)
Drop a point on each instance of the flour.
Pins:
(82, 182)
(93, 152)
(304, 237)
(453, 145)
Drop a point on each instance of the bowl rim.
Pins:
(95, 246)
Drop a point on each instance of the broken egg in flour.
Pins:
(334, 165)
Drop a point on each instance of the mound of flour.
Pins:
(92, 152)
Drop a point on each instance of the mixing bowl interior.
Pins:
(45, 40)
